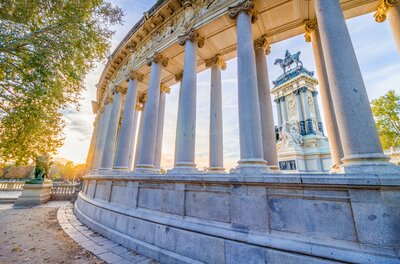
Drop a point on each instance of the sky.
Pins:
(373, 43)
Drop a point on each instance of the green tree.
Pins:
(46, 49)
(386, 110)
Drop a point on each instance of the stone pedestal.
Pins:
(34, 194)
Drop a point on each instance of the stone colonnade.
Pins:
(354, 141)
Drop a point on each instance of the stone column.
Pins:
(279, 112)
(262, 49)
(125, 134)
(361, 145)
(92, 147)
(142, 100)
(186, 125)
(216, 151)
(316, 110)
(133, 136)
(391, 10)
(164, 90)
(150, 116)
(312, 35)
(284, 110)
(103, 125)
(251, 151)
(107, 160)
(300, 115)
(306, 111)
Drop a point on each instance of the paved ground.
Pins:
(33, 235)
(51, 234)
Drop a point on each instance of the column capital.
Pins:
(303, 89)
(119, 89)
(157, 58)
(245, 6)
(193, 36)
(282, 99)
(309, 26)
(296, 92)
(108, 100)
(164, 89)
(179, 76)
(277, 100)
(135, 75)
(186, 3)
(263, 43)
(216, 60)
(314, 93)
(139, 106)
(383, 8)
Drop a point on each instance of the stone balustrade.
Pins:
(11, 185)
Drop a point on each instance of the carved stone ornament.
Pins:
(164, 89)
(193, 36)
(157, 58)
(245, 6)
(143, 99)
(383, 9)
(119, 89)
(134, 75)
(109, 100)
(216, 60)
(263, 43)
(309, 27)
(179, 76)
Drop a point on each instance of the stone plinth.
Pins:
(34, 194)
(238, 218)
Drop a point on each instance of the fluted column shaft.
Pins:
(125, 135)
(186, 125)
(266, 115)
(150, 117)
(133, 141)
(216, 158)
(300, 115)
(92, 147)
(327, 102)
(103, 126)
(358, 133)
(316, 110)
(251, 151)
(306, 110)
(284, 110)
(394, 20)
(160, 127)
(107, 160)
(278, 111)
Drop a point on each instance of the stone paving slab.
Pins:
(100, 246)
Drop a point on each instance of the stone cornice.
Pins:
(157, 58)
(216, 60)
(245, 6)
(134, 75)
(310, 26)
(263, 43)
(193, 36)
(383, 8)
(164, 89)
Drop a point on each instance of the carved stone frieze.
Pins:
(216, 60)
(309, 27)
(193, 36)
(263, 43)
(383, 8)
(157, 58)
(245, 6)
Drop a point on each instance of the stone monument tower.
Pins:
(301, 143)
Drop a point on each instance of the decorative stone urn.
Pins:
(34, 194)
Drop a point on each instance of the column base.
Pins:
(146, 169)
(274, 168)
(184, 168)
(252, 166)
(373, 163)
(216, 170)
(121, 168)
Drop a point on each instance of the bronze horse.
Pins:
(289, 60)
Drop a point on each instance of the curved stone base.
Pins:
(258, 219)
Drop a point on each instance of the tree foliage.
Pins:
(386, 110)
(46, 49)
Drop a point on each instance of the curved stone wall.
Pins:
(235, 219)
